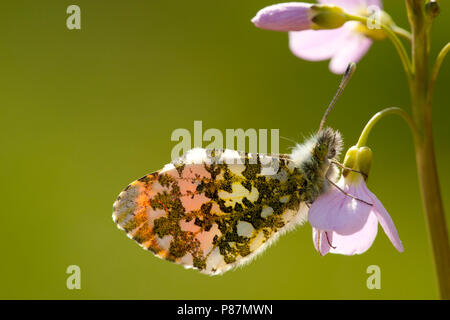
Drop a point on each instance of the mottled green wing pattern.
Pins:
(213, 210)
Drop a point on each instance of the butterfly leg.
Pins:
(328, 240)
(340, 165)
(346, 193)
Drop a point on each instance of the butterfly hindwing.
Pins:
(212, 210)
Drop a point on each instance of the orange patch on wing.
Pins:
(163, 254)
(152, 245)
(143, 233)
(141, 216)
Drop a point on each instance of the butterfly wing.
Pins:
(212, 209)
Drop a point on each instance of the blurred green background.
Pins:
(85, 112)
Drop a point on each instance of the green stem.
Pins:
(395, 40)
(378, 116)
(425, 155)
(402, 33)
(437, 66)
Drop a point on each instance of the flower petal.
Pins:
(352, 49)
(316, 45)
(357, 242)
(386, 221)
(336, 211)
(352, 6)
(320, 242)
(292, 16)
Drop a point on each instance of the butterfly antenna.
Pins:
(347, 75)
(288, 139)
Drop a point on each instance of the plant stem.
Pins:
(395, 40)
(426, 162)
(378, 116)
(402, 33)
(437, 65)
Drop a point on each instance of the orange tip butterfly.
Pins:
(213, 210)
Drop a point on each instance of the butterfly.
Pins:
(213, 210)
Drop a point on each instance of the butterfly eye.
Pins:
(320, 151)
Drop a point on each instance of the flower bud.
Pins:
(364, 161)
(298, 16)
(358, 159)
(350, 159)
(327, 16)
(432, 8)
(292, 16)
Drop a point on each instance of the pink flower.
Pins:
(296, 16)
(345, 225)
(343, 45)
(293, 16)
(316, 34)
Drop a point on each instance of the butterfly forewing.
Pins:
(212, 210)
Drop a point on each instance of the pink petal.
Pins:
(353, 6)
(335, 211)
(386, 221)
(351, 49)
(316, 45)
(357, 242)
(292, 16)
(320, 241)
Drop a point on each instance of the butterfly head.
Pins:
(319, 149)
(328, 144)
